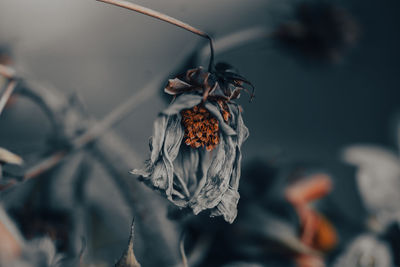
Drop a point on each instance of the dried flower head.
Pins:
(201, 128)
(196, 146)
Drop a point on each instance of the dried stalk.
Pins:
(237, 39)
(7, 94)
(158, 15)
(182, 249)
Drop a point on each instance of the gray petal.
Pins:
(176, 86)
(182, 102)
(217, 113)
(185, 167)
(228, 204)
(173, 139)
(218, 177)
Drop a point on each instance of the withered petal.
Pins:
(176, 86)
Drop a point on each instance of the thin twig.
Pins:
(237, 39)
(182, 249)
(7, 94)
(158, 15)
(45, 165)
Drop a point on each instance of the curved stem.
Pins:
(158, 15)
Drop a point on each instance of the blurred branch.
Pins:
(237, 39)
(118, 158)
(182, 250)
(7, 94)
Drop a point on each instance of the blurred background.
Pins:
(306, 109)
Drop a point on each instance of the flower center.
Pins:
(201, 128)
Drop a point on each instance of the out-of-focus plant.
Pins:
(316, 230)
(15, 251)
(320, 30)
(378, 180)
(364, 251)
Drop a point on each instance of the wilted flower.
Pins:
(196, 144)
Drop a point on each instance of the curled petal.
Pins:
(173, 139)
(177, 86)
(224, 126)
(228, 204)
(182, 102)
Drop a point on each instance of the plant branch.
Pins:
(158, 15)
(237, 39)
(7, 94)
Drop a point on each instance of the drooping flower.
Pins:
(196, 144)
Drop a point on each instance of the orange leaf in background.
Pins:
(308, 190)
(316, 231)
(325, 237)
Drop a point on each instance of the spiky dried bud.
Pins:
(128, 259)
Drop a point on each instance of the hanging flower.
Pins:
(196, 144)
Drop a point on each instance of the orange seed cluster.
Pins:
(201, 128)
